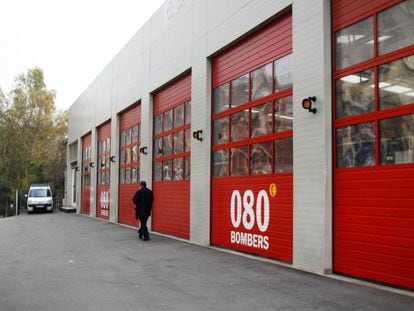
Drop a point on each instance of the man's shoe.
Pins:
(140, 236)
(146, 239)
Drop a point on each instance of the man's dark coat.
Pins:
(143, 199)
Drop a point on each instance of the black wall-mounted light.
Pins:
(197, 135)
(91, 164)
(308, 102)
(77, 168)
(143, 150)
(112, 159)
(103, 164)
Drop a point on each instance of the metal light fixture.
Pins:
(143, 150)
(91, 164)
(77, 168)
(308, 102)
(197, 135)
(112, 159)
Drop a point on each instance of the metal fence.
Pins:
(5, 209)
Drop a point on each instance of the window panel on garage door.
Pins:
(172, 142)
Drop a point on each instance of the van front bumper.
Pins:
(31, 207)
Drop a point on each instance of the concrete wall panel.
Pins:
(312, 226)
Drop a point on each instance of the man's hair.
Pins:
(143, 183)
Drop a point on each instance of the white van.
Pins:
(39, 198)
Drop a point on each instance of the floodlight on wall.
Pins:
(308, 102)
(197, 135)
(143, 150)
(91, 164)
(77, 168)
(112, 159)
(103, 164)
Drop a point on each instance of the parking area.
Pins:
(65, 261)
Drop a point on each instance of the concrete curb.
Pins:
(67, 209)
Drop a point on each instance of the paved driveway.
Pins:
(69, 262)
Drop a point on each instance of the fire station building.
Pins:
(278, 128)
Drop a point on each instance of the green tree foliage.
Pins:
(32, 134)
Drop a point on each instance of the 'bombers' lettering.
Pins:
(249, 239)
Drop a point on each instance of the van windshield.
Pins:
(39, 193)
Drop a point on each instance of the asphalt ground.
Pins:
(70, 262)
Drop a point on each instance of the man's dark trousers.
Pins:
(143, 229)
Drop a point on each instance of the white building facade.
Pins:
(207, 104)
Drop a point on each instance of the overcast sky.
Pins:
(71, 40)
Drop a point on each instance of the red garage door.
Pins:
(86, 174)
(171, 170)
(252, 186)
(374, 140)
(129, 166)
(103, 171)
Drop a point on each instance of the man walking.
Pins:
(143, 199)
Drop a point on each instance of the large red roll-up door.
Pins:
(129, 165)
(171, 158)
(103, 171)
(373, 100)
(252, 145)
(86, 174)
